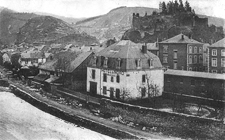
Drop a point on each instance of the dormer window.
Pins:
(150, 62)
(105, 62)
(138, 63)
(95, 61)
(118, 63)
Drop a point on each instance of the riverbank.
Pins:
(21, 121)
(84, 118)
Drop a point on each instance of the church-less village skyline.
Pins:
(90, 8)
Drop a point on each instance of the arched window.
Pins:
(106, 62)
(190, 59)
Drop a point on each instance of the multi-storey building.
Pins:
(216, 55)
(124, 70)
(182, 53)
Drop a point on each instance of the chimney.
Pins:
(182, 37)
(190, 36)
(144, 49)
(90, 48)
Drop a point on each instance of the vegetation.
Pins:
(174, 7)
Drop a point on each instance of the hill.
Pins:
(112, 24)
(51, 30)
(119, 20)
(10, 22)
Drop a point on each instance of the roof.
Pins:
(67, 61)
(125, 49)
(178, 39)
(150, 46)
(220, 43)
(41, 77)
(195, 74)
(129, 53)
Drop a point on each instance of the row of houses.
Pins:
(129, 70)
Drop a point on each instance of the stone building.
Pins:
(216, 55)
(124, 70)
(182, 53)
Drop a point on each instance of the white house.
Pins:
(124, 70)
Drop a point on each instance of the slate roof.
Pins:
(220, 43)
(178, 39)
(67, 61)
(128, 52)
(195, 74)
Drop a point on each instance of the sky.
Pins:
(90, 8)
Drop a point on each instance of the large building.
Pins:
(182, 53)
(210, 85)
(124, 70)
(216, 55)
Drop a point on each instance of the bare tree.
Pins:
(125, 94)
(149, 88)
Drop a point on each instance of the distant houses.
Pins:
(123, 71)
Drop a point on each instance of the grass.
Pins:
(168, 125)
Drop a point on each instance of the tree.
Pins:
(164, 10)
(150, 88)
(181, 6)
(176, 6)
(187, 7)
(125, 94)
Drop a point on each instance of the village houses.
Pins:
(124, 70)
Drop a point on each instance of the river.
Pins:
(21, 121)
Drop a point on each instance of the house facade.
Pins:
(216, 55)
(124, 70)
(182, 53)
(68, 69)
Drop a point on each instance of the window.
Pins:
(222, 62)
(93, 74)
(190, 49)
(214, 71)
(200, 50)
(112, 79)
(150, 61)
(168, 79)
(190, 68)
(214, 52)
(200, 59)
(223, 52)
(165, 59)
(181, 81)
(106, 62)
(143, 78)
(190, 59)
(118, 63)
(175, 54)
(104, 77)
(175, 65)
(192, 82)
(104, 90)
(111, 92)
(202, 83)
(143, 92)
(118, 93)
(165, 48)
(195, 59)
(138, 63)
(214, 62)
(195, 50)
(95, 61)
(117, 78)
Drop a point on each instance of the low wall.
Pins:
(89, 124)
(194, 99)
(145, 110)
